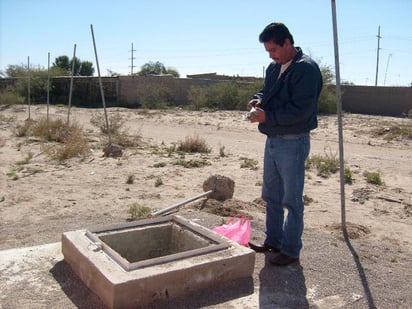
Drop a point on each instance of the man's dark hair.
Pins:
(276, 32)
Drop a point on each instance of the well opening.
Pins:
(154, 241)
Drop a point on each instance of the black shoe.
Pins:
(263, 248)
(283, 260)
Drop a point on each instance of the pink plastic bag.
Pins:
(238, 231)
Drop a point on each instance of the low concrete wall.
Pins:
(385, 101)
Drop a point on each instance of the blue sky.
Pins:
(209, 36)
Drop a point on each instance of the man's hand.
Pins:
(258, 115)
(253, 103)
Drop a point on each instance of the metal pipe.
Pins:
(48, 85)
(101, 87)
(168, 209)
(28, 84)
(71, 84)
(340, 130)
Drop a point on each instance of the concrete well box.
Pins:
(136, 263)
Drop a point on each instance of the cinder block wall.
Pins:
(385, 101)
(126, 91)
(131, 88)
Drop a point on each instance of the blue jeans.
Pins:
(283, 182)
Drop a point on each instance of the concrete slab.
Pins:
(120, 287)
(37, 277)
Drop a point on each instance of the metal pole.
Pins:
(167, 209)
(386, 71)
(101, 87)
(71, 84)
(340, 130)
(48, 85)
(28, 84)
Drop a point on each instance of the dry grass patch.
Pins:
(193, 144)
(51, 130)
(392, 132)
(192, 163)
(7, 119)
(74, 145)
(138, 211)
(116, 122)
(324, 165)
(70, 139)
(249, 163)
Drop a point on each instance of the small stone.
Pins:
(113, 150)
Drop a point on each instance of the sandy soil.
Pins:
(41, 198)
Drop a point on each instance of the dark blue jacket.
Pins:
(290, 102)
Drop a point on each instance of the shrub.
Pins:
(192, 163)
(249, 163)
(130, 179)
(70, 138)
(160, 164)
(348, 176)
(193, 144)
(74, 145)
(51, 130)
(373, 178)
(115, 122)
(24, 129)
(137, 211)
(325, 165)
(327, 100)
(26, 160)
(401, 131)
(10, 97)
(158, 182)
(222, 152)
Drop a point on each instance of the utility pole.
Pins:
(377, 58)
(132, 58)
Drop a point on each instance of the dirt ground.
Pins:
(41, 198)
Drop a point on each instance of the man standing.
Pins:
(286, 110)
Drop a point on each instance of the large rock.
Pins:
(222, 186)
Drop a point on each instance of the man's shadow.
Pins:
(282, 287)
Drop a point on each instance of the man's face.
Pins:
(280, 54)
